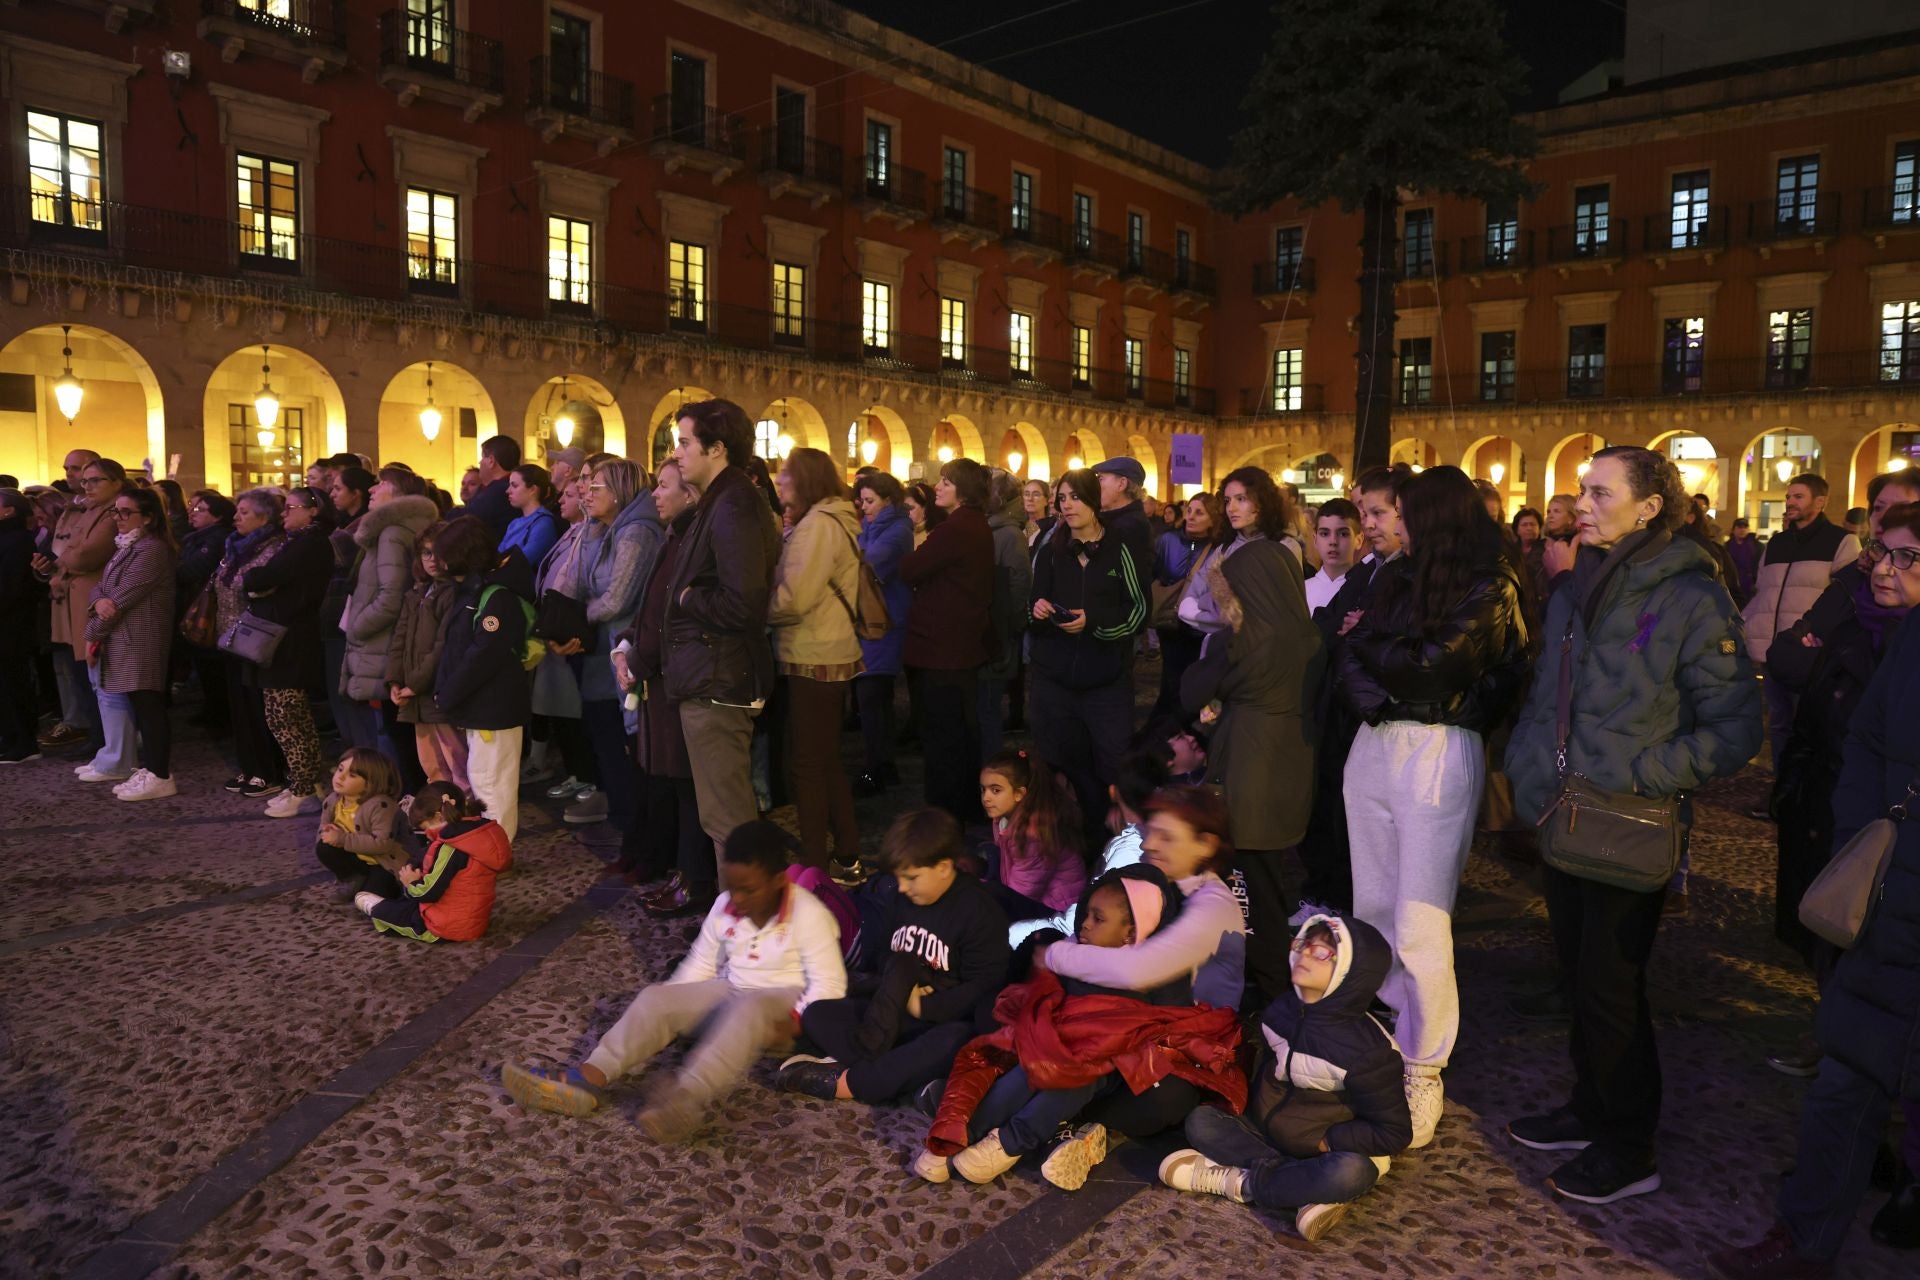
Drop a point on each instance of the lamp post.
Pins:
(429, 415)
(266, 404)
(67, 391)
(563, 425)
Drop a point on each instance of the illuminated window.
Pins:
(1592, 220)
(570, 261)
(953, 332)
(1906, 183)
(1497, 368)
(789, 302)
(1416, 370)
(1586, 360)
(876, 316)
(1182, 375)
(268, 204)
(1789, 347)
(1082, 356)
(1020, 342)
(1683, 354)
(1135, 355)
(1287, 391)
(1797, 195)
(63, 171)
(766, 439)
(433, 225)
(1688, 210)
(686, 285)
(1900, 341)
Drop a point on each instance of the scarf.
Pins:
(127, 539)
(240, 549)
(1876, 619)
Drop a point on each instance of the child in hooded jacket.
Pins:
(447, 894)
(356, 838)
(1329, 1105)
(1036, 827)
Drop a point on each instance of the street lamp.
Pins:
(944, 453)
(869, 450)
(1076, 462)
(1014, 459)
(1497, 472)
(1783, 469)
(430, 416)
(1896, 464)
(266, 404)
(563, 425)
(67, 390)
(783, 445)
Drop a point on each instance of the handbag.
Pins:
(1841, 898)
(253, 638)
(869, 615)
(200, 624)
(560, 618)
(1612, 837)
(1164, 601)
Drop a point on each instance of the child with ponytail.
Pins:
(1036, 825)
(448, 895)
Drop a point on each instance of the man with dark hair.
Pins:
(1800, 561)
(719, 664)
(1121, 510)
(1336, 537)
(499, 455)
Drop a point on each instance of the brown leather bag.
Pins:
(199, 624)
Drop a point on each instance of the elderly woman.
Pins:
(816, 590)
(209, 525)
(82, 545)
(256, 539)
(287, 589)
(129, 637)
(612, 569)
(398, 512)
(1661, 700)
(559, 739)
(886, 536)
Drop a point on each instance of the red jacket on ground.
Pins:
(456, 893)
(1064, 1041)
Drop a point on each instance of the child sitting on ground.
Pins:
(766, 951)
(1329, 1105)
(1035, 822)
(946, 960)
(448, 895)
(1141, 774)
(1064, 1044)
(357, 820)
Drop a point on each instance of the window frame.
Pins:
(1182, 376)
(1020, 212)
(433, 280)
(1683, 354)
(955, 203)
(1084, 199)
(1020, 343)
(569, 302)
(1586, 369)
(878, 177)
(1596, 240)
(1427, 217)
(1798, 194)
(1690, 211)
(254, 259)
(1133, 355)
(64, 197)
(1286, 387)
(1905, 367)
(787, 299)
(953, 332)
(1789, 348)
(687, 284)
(1903, 208)
(1416, 373)
(1136, 246)
(1500, 372)
(876, 303)
(1500, 237)
(1287, 265)
(1080, 354)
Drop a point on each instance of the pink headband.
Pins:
(1147, 901)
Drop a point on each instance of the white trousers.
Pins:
(493, 767)
(1413, 796)
(735, 1026)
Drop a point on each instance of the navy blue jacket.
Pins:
(482, 683)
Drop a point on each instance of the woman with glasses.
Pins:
(210, 524)
(256, 538)
(129, 638)
(82, 545)
(287, 589)
(559, 739)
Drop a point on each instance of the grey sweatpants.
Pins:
(735, 1027)
(1413, 796)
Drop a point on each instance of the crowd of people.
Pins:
(1258, 881)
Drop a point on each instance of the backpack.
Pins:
(870, 618)
(534, 650)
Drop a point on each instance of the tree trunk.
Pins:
(1373, 395)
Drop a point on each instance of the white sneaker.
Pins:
(1068, 1165)
(149, 788)
(1426, 1098)
(287, 804)
(1311, 1221)
(365, 902)
(1188, 1170)
(134, 783)
(931, 1167)
(91, 774)
(985, 1160)
(1308, 910)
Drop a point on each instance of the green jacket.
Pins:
(1664, 697)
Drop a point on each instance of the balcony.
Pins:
(1601, 243)
(563, 98)
(881, 188)
(1261, 402)
(1670, 235)
(693, 136)
(795, 164)
(1427, 264)
(967, 214)
(1195, 279)
(1095, 253)
(1032, 236)
(309, 34)
(1487, 254)
(1773, 224)
(116, 12)
(1275, 282)
(1890, 211)
(424, 57)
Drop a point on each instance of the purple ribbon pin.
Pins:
(1647, 623)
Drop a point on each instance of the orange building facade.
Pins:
(560, 220)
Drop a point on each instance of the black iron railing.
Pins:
(1497, 252)
(561, 84)
(1668, 233)
(882, 178)
(1286, 275)
(316, 21)
(1581, 241)
(968, 206)
(427, 44)
(798, 156)
(1791, 218)
(696, 125)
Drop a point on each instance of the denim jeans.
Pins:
(116, 755)
(1279, 1181)
(1026, 1117)
(84, 713)
(1841, 1122)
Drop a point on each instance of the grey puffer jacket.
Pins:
(1664, 698)
(612, 569)
(381, 575)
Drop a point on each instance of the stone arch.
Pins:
(1083, 443)
(1563, 468)
(451, 451)
(1415, 452)
(1763, 487)
(1705, 466)
(893, 443)
(123, 418)
(1872, 455)
(972, 444)
(1500, 461)
(599, 422)
(1036, 465)
(1141, 449)
(660, 423)
(305, 388)
(801, 422)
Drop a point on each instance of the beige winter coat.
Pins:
(810, 624)
(82, 545)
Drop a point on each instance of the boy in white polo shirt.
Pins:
(767, 950)
(1336, 536)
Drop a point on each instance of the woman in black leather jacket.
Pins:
(1436, 662)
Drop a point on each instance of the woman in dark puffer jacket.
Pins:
(1434, 665)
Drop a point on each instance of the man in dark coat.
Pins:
(499, 455)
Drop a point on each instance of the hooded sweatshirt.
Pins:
(1330, 1071)
(482, 683)
(455, 891)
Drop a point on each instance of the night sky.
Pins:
(1176, 71)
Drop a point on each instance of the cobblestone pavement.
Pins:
(177, 980)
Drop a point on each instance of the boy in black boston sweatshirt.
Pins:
(946, 959)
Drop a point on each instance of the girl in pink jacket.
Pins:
(1035, 825)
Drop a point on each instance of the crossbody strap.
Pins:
(1897, 811)
(1563, 701)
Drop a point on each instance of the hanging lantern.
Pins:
(266, 404)
(869, 450)
(1784, 469)
(563, 425)
(783, 445)
(429, 415)
(1497, 472)
(1014, 459)
(67, 391)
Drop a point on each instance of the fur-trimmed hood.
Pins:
(413, 512)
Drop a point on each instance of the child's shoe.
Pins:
(931, 1167)
(365, 902)
(927, 1100)
(812, 1076)
(1188, 1170)
(671, 1116)
(985, 1160)
(563, 1091)
(1069, 1163)
(1311, 1221)
(347, 890)
(1426, 1098)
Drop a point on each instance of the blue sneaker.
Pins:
(563, 1091)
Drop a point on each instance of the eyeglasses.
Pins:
(1320, 951)
(200, 509)
(596, 488)
(125, 513)
(90, 481)
(1904, 558)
